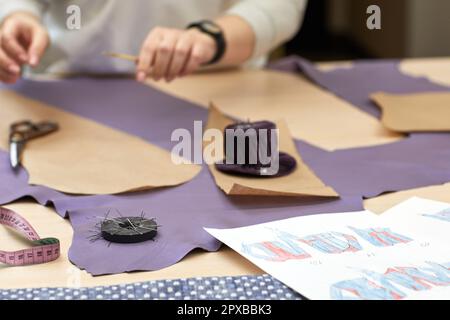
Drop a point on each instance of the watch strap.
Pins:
(218, 37)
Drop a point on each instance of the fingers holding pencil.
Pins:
(171, 53)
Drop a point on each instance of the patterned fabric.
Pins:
(262, 287)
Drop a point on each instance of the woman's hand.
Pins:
(171, 53)
(23, 40)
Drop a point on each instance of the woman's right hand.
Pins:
(23, 40)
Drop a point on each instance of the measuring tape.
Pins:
(42, 250)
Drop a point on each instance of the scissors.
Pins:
(21, 132)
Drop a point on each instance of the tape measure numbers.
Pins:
(42, 250)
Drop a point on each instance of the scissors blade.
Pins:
(15, 151)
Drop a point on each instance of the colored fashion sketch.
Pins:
(356, 255)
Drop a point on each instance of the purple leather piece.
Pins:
(183, 211)
(419, 160)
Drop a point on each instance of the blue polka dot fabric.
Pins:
(262, 287)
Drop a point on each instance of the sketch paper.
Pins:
(427, 218)
(354, 255)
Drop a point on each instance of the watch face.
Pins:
(211, 27)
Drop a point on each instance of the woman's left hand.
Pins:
(171, 53)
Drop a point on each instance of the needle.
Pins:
(133, 226)
(122, 56)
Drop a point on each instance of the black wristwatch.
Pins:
(215, 31)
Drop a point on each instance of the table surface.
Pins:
(247, 87)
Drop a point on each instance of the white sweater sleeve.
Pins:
(35, 7)
(273, 21)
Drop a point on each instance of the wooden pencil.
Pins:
(122, 56)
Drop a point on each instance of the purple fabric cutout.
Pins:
(119, 103)
(14, 185)
(419, 160)
(371, 171)
(184, 211)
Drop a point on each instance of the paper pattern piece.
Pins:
(437, 70)
(365, 78)
(301, 182)
(415, 112)
(311, 113)
(356, 256)
(85, 157)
